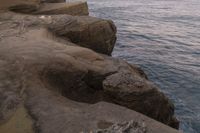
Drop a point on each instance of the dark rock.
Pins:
(24, 8)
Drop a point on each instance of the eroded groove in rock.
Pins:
(119, 87)
(71, 84)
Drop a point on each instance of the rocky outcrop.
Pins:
(96, 34)
(62, 85)
(126, 89)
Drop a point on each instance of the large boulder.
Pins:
(61, 85)
(96, 34)
(128, 90)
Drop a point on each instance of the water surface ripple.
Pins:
(163, 37)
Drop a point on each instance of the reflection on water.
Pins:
(163, 37)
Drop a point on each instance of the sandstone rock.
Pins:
(81, 30)
(62, 85)
(96, 34)
(138, 94)
(72, 8)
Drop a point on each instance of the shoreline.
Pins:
(93, 76)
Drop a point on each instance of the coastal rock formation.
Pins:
(96, 34)
(48, 75)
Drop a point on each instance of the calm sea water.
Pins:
(163, 38)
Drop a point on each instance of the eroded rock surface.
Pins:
(61, 84)
(125, 127)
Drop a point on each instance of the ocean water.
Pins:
(163, 38)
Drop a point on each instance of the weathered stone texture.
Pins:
(45, 69)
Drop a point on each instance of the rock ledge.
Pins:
(57, 70)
